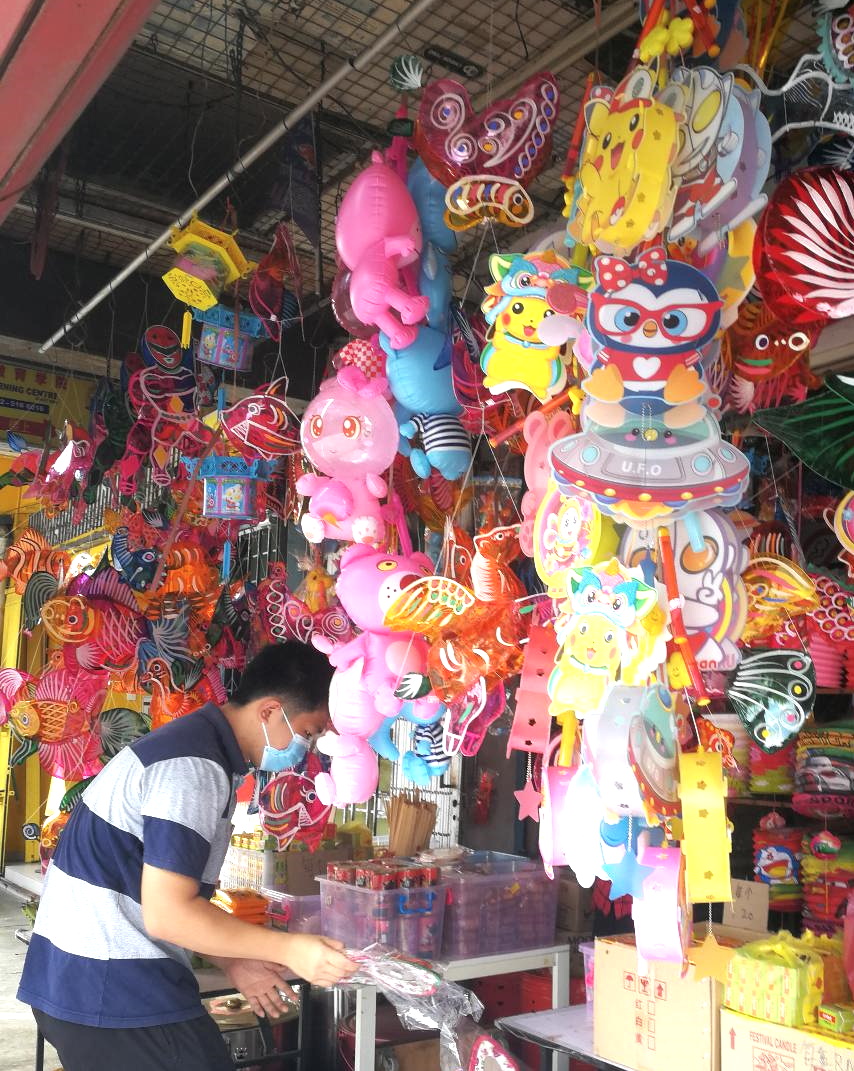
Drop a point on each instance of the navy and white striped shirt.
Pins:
(166, 800)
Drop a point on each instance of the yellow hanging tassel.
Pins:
(186, 329)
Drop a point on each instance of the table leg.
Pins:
(560, 999)
(366, 1028)
(39, 1051)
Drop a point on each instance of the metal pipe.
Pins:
(249, 158)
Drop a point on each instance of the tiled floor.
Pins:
(17, 1029)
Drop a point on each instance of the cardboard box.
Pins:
(417, 1055)
(657, 1021)
(574, 906)
(754, 1045)
(294, 872)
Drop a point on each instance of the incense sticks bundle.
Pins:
(410, 823)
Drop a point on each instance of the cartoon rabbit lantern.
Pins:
(378, 233)
(349, 433)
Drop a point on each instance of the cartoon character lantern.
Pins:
(350, 434)
(626, 174)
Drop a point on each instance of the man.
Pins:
(128, 888)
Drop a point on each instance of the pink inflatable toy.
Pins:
(354, 773)
(378, 233)
(370, 667)
(350, 434)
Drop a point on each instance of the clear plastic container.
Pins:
(296, 914)
(587, 950)
(497, 903)
(409, 920)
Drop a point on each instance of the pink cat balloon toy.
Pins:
(349, 433)
(378, 233)
(370, 667)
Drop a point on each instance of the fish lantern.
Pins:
(228, 338)
(231, 486)
(208, 260)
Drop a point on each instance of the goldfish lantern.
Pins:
(228, 337)
(290, 809)
(377, 234)
(262, 424)
(516, 307)
(208, 261)
(350, 434)
(768, 358)
(626, 173)
(773, 693)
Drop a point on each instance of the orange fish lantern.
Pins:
(29, 553)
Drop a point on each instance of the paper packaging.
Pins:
(294, 872)
(778, 978)
(656, 1021)
(574, 906)
(754, 1045)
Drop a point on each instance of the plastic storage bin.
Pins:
(409, 920)
(497, 903)
(296, 914)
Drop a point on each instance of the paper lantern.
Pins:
(227, 339)
(231, 486)
(208, 261)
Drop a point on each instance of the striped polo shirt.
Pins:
(166, 800)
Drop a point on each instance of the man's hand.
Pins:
(262, 984)
(317, 959)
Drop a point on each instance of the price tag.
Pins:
(749, 907)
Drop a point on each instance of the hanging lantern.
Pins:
(208, 261)
(231, 486)
(228, 339)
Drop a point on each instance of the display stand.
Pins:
(555, 957)
(564, 1032)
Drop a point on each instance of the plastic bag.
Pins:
(422, 998)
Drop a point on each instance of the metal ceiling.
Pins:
(205, 79)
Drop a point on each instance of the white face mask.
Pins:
(276, 759)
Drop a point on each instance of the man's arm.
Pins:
(173, 911)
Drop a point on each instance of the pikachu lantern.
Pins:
(627, 180)
(515, 308)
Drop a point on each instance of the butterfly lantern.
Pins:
(487, 161)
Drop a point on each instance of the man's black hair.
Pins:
(296, 674)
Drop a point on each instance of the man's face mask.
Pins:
(276, 759)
